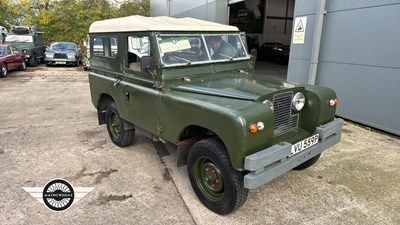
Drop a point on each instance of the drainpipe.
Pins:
(319, 23)
(168, 7)
(207, 10)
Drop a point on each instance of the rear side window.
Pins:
(14, 49)
(105, 46)
(98, 47)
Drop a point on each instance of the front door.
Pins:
(141, 95)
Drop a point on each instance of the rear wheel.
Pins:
(116, 127)
(308, 163)
(4, 70)
(218, 186)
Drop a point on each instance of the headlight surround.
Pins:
(26, 52)
(269, 104)
(49, 54)
(71, 56)
(298, 101)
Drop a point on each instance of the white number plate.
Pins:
(61, 63)
(304, 144)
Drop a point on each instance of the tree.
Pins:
(9, 14)
(67, 20)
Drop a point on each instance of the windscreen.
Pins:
(178, 50)
(19, 38)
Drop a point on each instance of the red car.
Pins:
(10, 59)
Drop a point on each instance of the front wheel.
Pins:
(116, 127)
(23, 66)
(218, 186)
(308, 163)
(33, 61)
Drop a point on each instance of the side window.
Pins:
(14, 49)
(98, 47)
(105, 46)
(138, 47)
(114, 47)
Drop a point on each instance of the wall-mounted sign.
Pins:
(299, 30)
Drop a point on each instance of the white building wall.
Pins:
(211, 10)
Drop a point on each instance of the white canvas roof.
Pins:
(161, 23)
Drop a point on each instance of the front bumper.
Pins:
(60, 61)
(274, 161)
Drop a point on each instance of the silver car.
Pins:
(63, 53)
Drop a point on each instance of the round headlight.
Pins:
(298, 101)
(269, 104)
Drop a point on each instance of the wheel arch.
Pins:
(189, 136)
(102, 103)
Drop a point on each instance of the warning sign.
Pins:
(299, 30)
(300, 27)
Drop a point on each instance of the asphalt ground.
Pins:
(49, 130)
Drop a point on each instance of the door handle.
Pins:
(127, 96)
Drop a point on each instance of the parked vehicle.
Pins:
(235, 131)
(274, 52)
(63, 53)
(242, 16)
(3, 32)
(10, 59)
(30, 41)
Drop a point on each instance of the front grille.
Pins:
(284, 120)
(60, 56)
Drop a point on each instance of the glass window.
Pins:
(105, 46)
(178, 50)
(114, 47)
(14, 49)
(98, 47)
(138, 47)
(3, 50)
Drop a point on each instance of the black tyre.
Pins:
(308, 163)
(116, 128)
(33, 61)
(218, 186)
(4, 70)
(23, 66)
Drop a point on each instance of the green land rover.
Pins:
(192, 83)
(30, 41)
